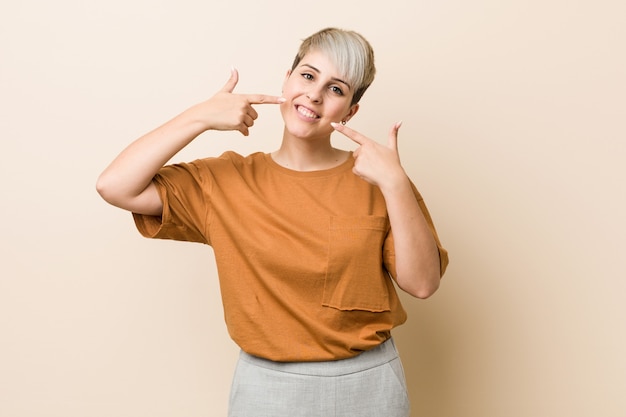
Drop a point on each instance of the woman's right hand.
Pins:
(229, 111)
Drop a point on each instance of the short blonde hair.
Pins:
(349, 51)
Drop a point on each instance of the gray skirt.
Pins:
(371, 384)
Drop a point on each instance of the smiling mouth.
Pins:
(306, 112)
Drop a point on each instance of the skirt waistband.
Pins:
(381, 354)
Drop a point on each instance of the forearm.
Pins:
(133, 169)
(131, 172)
(417, 255)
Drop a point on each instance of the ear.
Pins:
(353, 109)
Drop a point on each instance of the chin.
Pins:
(300, 134)
(307, 132)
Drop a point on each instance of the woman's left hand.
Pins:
(375, 163)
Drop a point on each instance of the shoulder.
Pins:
(231, 166)
(229, 159)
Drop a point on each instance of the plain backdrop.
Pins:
(514, 131)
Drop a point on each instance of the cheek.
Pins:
(286, 108)
(289, 91)
(340, 109)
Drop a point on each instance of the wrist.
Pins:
(195, 118)
(395, 181)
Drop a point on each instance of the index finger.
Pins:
(264, 99)
(350, 133)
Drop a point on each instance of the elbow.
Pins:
(106, 190)
(426, 291)
(113, 191)
(421, 288)
(102, 189)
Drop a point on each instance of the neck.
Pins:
(308, 155)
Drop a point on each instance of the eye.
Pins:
(307, 76)
(336, 90)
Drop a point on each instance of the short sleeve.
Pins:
(184, 190)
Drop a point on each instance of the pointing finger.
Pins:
(264, 99)
(349, 133)
(232, 81)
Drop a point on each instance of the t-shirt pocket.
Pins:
(355, 276)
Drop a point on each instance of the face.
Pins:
(316, 95)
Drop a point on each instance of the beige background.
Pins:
(514, 130)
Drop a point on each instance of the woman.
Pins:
(302, 236)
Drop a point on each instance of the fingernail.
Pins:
(282, 99)
(334, 124)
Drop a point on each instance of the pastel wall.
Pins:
(513, 130)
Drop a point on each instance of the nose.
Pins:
(315, 95)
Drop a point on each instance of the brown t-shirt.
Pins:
(304, 258)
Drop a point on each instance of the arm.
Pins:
(417, 256)
(127, 181)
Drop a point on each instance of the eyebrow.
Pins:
(332, 78)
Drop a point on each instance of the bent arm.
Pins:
(418, 268)
(417, 254)
(127, 181)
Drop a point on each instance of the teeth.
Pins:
(307, 113)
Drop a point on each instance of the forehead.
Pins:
(321, 61)
(324, 64)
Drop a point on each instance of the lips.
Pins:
(308, 113)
